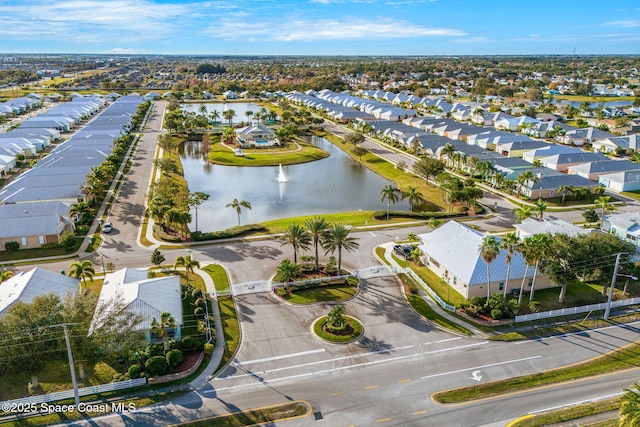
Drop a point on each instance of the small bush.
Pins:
(199, 303)
(188, 344)
(208, 348)
(244, 230)
(496, 313)
(197, 293)
(174, 358)
(199, 311)
(12, 246)
(353, 281)
(155, 350)
(157, 365)
(134, 371)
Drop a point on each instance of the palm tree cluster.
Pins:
(320, 233)
(100, 176)
(392, 194)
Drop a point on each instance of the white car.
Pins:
(106, 228)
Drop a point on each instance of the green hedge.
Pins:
(418, 215)
(244, 230)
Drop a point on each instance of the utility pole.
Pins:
(607, 311)
(71, 365)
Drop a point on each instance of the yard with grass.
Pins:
(219, 276)
(354, 219)
(337, 292)
(572, 413)
(259, 416)
(355, 330)
(295, 153)
(231, 329)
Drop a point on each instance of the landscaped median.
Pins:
(300, 152)
(625, 358)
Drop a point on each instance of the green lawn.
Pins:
(355, 219)
(571, 413)
(218, 275)
(322, 293)
(231, 328)
(221, 155)
(439, 286)
(615, 361)
(259, 416)
(355, 324)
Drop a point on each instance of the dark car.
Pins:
(403, 250)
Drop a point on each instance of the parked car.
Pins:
(106, 228)
(403, 250)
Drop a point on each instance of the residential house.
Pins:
(621, 181)
(33, 224)
(548, 150)
(515, 123)
(583, 136)
(624, 225)
(627, 144)
(518, 148)
(561, 162)
(593, 170)
(452, 252)
(548, 186)
(25, 286)
(139, 295)
(548, 225)
(229, 94)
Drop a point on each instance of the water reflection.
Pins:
(334, 184)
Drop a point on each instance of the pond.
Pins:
(331, 185)
(240, 108)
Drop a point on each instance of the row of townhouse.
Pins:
(34, 207)
(17, 106)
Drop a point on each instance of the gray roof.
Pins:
(457, 248)
(556, 181)
(605, 166)
(565, 158)
(549, 225)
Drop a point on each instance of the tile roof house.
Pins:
(452, 251)
(142, 296)
(26, 285)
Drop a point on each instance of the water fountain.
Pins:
(281, 176)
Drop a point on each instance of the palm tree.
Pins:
(527, 249)
(228, 134)
(526, 178)
(298, 237)
(161, 329)
(238, 205)
(214, 115)
(489, 250)
(522, 212)
(249, 114)
(80, 210)
(434, 223)
(510, 244)
(603, 203)
(629, 414)
(413, 195)
(203, 110)
(229, 115)
(82, 270)
(390, 193)
(564, 190)
(338, 238)
(541, 244)
(5, 275)
(317, 228)
(540, 207)
(447, 151)
(188, 263)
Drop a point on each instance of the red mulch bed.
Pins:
(187, 362)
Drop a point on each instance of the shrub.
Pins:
(496, 313)
(477, 301)
(199, 303)
(67, 241)
(134, 371)
(199, 311)
(188, 343)
(174, 358)
(197, 293)
(12, 246)
(208, 348)
(417, 215)
(156, 365)
(244, 230)
(155, 350)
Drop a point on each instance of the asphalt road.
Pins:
(387, 377)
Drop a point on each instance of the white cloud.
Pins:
(628, 23)
(327, 29)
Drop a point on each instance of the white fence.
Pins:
(68, 394)
(575, 310)
(427, 289)
(310, 281)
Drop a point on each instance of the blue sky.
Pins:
(321, 27)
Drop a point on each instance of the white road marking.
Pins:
(319, 362)
(480, 367)
(357, 365)
(284, 356)
(595, 399)
(575, 333)
(372, 234)
(475, 375)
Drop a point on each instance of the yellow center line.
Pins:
(370, 387)
(383, 420)
(404, 381)
(338, 393)
(419, 412)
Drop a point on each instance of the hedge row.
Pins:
(418, 215)
(243, 230)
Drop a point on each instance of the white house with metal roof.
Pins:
(26, 285)
(33, 224)
(142, 296)
(452, 251)
(621, 181)
(624, 225)
(549, 225)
